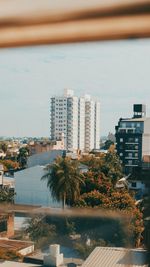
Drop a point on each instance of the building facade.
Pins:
(6, 225)
(133, 138)
(76, 120)
(31, 190)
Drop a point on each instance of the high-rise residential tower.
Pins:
(77, 120)
(133, 138)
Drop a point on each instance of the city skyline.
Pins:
(115, 72)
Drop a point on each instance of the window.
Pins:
(133, 184)
(130, 140)
(3, 225)
(130, 130)
(122, 130)
(121, 139)
(123, 125)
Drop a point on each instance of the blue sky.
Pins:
(118, 73)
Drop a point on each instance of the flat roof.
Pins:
(16, 264)
(134, 119)
(14, 245)
(116, 257)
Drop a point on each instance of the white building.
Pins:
(77, 120)
(81, 123)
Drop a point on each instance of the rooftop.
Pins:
(116, 257)
(13, 245)
(16, 264)
(134, 119)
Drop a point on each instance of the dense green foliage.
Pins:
(64, 180)
(9, 254)
(9, 164)
(3, 146)
(95, 188)
(100, 191)
(6, 195)
(107, 144)
(85, 249)
(23, 156)
(39, 231)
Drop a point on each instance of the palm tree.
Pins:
(64, 180)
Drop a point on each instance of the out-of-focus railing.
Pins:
(30, 22)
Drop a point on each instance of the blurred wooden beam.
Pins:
(37, 22)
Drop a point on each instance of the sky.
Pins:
(117, 73)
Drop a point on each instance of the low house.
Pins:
(114, 257)
(31, 190)
(17, 264)
(17, 246)
(29, 187)
(139, 181)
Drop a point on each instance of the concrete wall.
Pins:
(31, 190)
(139, 185)
(26, 251)
(10, 225)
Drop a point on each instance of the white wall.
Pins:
(97, 125)
(146, 138)
(89, 124)
(81, 124)
(31, 190)
(139, 185)
(27, 250)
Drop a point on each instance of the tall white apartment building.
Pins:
(77, 120)
(81, 123)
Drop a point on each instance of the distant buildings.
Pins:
(2, 154)
(41, 146)
(133, 138)
(76, 121)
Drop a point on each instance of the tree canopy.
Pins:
(6, 195)
(99, 191)
(22, 156)
(64, 180)
(9, 164)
